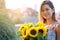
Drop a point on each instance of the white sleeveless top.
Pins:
(51, 34)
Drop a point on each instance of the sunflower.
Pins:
(24, 33)
(33, 32)
(39, 24)
(43, 30)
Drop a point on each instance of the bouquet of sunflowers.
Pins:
(28, 31)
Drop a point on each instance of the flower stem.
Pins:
(40, 36)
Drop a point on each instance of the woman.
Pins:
(47, 16)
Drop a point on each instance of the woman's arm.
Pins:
(57, 30)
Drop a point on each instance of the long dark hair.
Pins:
(51, 6)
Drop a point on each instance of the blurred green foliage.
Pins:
(7, 29)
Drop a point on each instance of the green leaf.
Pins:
(40, 36)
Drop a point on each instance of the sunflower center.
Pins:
(33, 32)
(41, 30)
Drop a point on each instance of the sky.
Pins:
(34, 4)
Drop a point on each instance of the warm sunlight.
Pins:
(34, 4)
(22, 4)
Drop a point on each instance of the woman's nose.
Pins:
(45, 12)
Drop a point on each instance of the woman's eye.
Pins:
(42, 10)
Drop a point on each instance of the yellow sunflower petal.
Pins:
(30, 25)
(39, 24)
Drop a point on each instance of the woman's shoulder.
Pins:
(57, 26)
(56, 22)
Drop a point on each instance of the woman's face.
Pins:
(46, 11)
